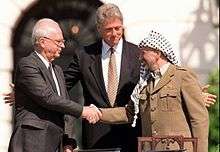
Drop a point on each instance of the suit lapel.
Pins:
(60, 81)
(96, 70)
(45, 71)
(125, 64)
(165, 78)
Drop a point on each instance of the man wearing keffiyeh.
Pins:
(167, 96)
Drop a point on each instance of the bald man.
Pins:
(41, 96)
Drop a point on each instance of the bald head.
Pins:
(43, 28)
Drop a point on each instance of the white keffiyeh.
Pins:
(159, 42)
(144, 76)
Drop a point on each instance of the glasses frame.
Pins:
(59, 43)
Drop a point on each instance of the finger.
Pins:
(8, 101)
(11, 104)
(12, 86)
(91, 120)
(96, 117)
(94, 112)
(8, 98)
(207, 105)
(211, 100)
(211, 96)
(94, 121)
(205, 88)
(99, 113)
(97, 109)
(5, 94)
(92, 105)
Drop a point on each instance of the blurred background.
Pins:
(192, 26)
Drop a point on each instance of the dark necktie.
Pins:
(150, 84)
(50, 68)
(112, 77)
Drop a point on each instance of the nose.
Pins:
(114, 31)
(62, 45)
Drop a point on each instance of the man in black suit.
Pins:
(41, 96)
(91, 67)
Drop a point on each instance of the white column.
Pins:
(10, 12)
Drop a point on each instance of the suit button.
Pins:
(154, 133)
(152, 98)
(153, 109)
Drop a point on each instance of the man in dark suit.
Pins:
(41, 96)
(92, 67)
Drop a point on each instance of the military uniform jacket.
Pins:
(174, 107)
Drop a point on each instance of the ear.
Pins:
(41, 42)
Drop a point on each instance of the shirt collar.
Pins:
(144, 72)
(164, 68)
(43, 59)
(117, 48)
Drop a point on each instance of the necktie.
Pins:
(54, 83)
(50, 68)
(112, 77)
(150, 83)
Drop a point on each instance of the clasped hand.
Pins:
(91, 113)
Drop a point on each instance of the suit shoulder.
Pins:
(131, 45)
(92, 48)
(185, 71)
(27, 60)
(183, 68)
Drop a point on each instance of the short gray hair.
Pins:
(107, 11)
(42, 31)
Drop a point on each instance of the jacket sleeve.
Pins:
(198, 114)
(30, 80)
(72, 73)
(118, 115)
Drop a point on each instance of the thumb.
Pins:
(205, 88)
(12, 86)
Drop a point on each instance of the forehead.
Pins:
(113, 21)
(149, 49)
(56, 34)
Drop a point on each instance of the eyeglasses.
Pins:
(59, 43)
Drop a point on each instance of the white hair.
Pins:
(42, 29)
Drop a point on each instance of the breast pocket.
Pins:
(168, 101)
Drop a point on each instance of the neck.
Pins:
(159, 64)
(45, 56)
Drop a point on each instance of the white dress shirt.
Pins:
(53, 73)
(106, 56)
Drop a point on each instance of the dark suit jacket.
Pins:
(87, 67)
(39, 110)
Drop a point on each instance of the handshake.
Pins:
(91, 113)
